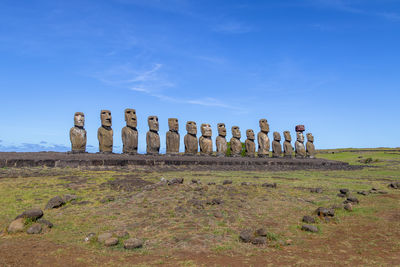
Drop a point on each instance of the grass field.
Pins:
(196, 224)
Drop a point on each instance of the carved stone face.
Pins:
(310, 137)
(79, 119)
(191, 127)
(264, 126)
(153, 123)
(130, 117)
(300, 137)
(173, 124)
(250, 134)
(105, 116)
(277, 136)
(287, 136)
(236, 132)
(206, 130)
(221, 129)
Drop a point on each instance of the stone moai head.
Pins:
(191, 127)
(105, 116)
(173, 124)
(250, 134)
(310, 138)
(221, 129)
(277, 136)
(236, 132)
(264, 126)
(153, 123)
(130, 117)
(79, 119)
(287, 136)
(300, 137)
(206, 130)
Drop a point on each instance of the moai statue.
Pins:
(276, 146)
(250, 145)
(299, 144)
(129, 132)
(190, 139)
(221, 143)
(287, 145)
(173, 137)
(236, 145)
(152, 137)
(105, 133)
(77, 134)
(205, 142)
(310, 148)
(263, 140)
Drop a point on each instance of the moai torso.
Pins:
(287, 145)
(190, 139)
(263, 140)
(299, 145)
(152, 136)
(129, 132)
(236, 145)
(276, 145)
(173, 137)
(77, 134)
(205, 142)
(220, 141)
(105, 132)
(250, 145)
(310, 148)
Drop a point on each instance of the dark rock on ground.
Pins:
(270, 185)
(175, 181)
(35, 229)
(111, 242)
(122, 234)
(364, 193)
(259, 240)
(316, 190)
(348, 207)
(246, 236)
(341, 195)
(45, 222)
(261, 232)
(195, 181)
(225, 182)
(32, 214)
(309, 228)
(308, 219)
(344, 191)
(245, 183)
(325, 212)
(214, 201)
(103, 237)
(107, 199)
(55, 202)
(68, 198)
(211, 183)
(394, 185)
(133, 243)
(352, 200)
(196, 203)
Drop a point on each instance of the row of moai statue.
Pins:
(192, 144)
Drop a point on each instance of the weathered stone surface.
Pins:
(236, 145)
(261, 232)
(45, 222)
(250, 145)
(103, 237)
(121, 233)
(105, 132)
(220, 141)
(68, 197)
(348, 207)
(246, 236)
(308, 219)
(394, 185)
(225, 182)
(269, 185)
(276, 146)
(300, 128)
(173, 137)
(324, 212)
(310, 148)
(129, 133)
(16, 226)
(190, 139)
(352, 200)
(205, 142)
(309, 228)
(55, 202)
(133, 243)
(32, 214)
(259, 240)
(175, 181)
(152, 136)
(287, 145)
(35, 229)
(299, 145)
(263, 139)
(344, 191)
(77, 134)
(317, 190)
(111, 242)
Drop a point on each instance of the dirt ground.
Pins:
(197, 223)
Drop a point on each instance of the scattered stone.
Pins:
(245, 183)
(377, 191)
(175, 181)
(35, 229)
(341, 195)
(348, 207)
(364, 193)
(122, 234)
(133, 243)
(259, 240)
(309, 228)
(32, 214)
(246, 236)
(103, 237)
(352, 200)
(394, 185)
(107, 199)
(214, 201)
(111, 242)
(317, 190)
(45, 222)
(90, 237)
(16, 226)
(211, 183)
(68, 198)
(196, 203)
(261, 232)
(344, 191)
(324, 212)
(55, 202)
(195, 181)
(225, 182)
(270, 185)
(308, 219)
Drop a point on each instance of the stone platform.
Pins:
(163, 162)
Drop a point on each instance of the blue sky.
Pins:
(332, 65)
